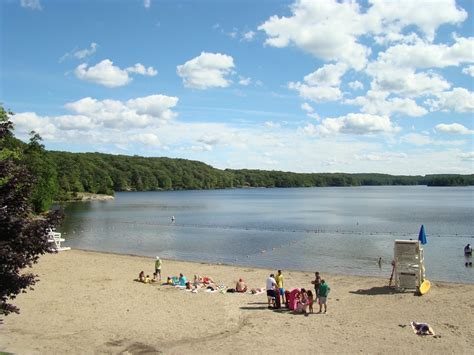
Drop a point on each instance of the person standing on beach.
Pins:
(158, 267)
(271, 284)
(323, 295)
(281, 289)
(316, 283)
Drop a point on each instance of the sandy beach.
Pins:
(88, 302)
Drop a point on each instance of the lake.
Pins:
(338, 230)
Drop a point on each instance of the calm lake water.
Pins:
(337, 230)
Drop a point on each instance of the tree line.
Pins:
(62, 175)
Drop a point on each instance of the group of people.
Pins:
(299, 300)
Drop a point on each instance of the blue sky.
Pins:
(304, 86)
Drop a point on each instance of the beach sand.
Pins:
(88, 302)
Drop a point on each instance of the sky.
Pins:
(374, 86)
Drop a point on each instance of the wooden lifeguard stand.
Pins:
(409, 269)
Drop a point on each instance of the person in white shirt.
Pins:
(271, 284)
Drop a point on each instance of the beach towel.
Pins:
(422, 328)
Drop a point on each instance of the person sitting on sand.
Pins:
(141, 276)
(182, 280)
(169, 281)
(147, 279)
(206, 280)
(302, 301)
(241, 286)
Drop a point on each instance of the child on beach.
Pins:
(141, 276)
(310, 301)
(316, 282)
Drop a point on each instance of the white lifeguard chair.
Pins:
(56, 239)
(409, 269)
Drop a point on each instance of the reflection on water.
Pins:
(342, 230)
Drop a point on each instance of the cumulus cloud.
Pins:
(390, 17)
(459, 100)
(107, 74)
(149, 139)
(379, 103)
(315, 26)
(454, 128)
(469, 70)
(405, 81)
(31, 4)
(426, 55)
(206, 71)
(321, 85)
(355, 123)
(327, 75)
(330, 30)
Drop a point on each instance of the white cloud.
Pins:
(417, 139)
(423, 139)
(26, 122)
(244, 81)
(327, 75)
(142, 70)
(378, 102)
(330, 29)
(384, 156)
(103, 73)
(458, 100)
(393, 16)
(426, 55)
(405, 81)
(248, 36)
(206, 71)
(81, 53)
(321, 85)
(316, 93)
(356, 123)
(469, 70)
(271, 124)
(327, 29)
(454, 128)
(140, 112)
(307, 107)
(146, 139)
(469, 156)
(107, 74)
(147, 3)
(356, 85)
(31, 4)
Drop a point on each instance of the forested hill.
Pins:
(105, 173)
